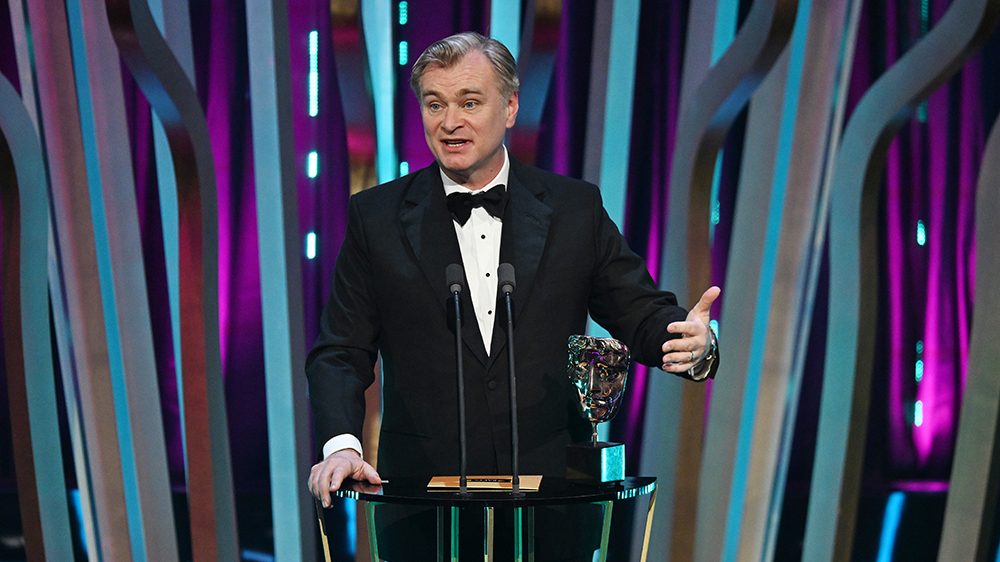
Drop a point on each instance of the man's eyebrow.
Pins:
(462, 92)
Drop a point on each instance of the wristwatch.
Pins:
(703, 365)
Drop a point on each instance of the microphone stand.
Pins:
(455, 274)
(462, 478)
(506, 275)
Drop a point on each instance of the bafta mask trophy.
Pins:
(597, 368)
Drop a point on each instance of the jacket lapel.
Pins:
(430, 232)
(525, 230)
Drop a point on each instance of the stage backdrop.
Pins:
(175, 182)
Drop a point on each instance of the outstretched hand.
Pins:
(680, 354)
(330, 473)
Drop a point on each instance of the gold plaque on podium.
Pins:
(526, 482)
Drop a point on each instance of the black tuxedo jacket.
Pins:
(390, 296)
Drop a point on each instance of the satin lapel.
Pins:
(430, 232)
(525, 230)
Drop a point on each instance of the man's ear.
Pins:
(512, 107)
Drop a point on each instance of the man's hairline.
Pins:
(497, 79)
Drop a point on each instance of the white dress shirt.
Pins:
(479, 240)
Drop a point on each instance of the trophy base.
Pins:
(603, 463)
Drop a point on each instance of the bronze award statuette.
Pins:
(597, 368)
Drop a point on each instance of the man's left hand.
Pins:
(680, 354)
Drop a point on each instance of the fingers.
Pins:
(707, 298)
(694, 337)
(696, 323)
(685, 351)
(691, 328)
(678, 361)
(319, 482)
(328, 475)
(340, 472)
(368, 474)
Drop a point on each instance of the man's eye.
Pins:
(470, 105)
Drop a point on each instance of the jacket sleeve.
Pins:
(624, 299)
(340, 366)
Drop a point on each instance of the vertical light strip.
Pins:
(312, 164)
(404, 168)
(312, 159)
(918, 368)
(404, 13)
(925, 25)
(119, 400)
(289, 443)
(616, 132)
(376, 20)
(311, 245)
(313, 73)
(505, 24)
(890, 526)
(618, 108)
(404, 53)
(123, 288)
(726, 14)
(759, 331)
(768, 271)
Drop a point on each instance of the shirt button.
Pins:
(487, 274)
(482, 236)
(489, 312)
(492, 385)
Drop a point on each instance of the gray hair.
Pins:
(450, 50)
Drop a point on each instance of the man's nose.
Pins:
(451, 120)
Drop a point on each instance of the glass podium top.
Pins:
(552, 491)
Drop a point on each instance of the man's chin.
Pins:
(458, 172)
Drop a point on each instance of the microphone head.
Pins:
(455, 277)
(505, 278)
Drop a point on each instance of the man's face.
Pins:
(598, 368)
(465, 119)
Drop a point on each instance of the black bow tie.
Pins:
(493, 200)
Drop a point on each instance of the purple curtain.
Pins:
(928, 249)
(323, 199)
(563, 128)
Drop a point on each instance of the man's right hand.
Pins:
(334, 469)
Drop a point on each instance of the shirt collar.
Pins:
(450, 186)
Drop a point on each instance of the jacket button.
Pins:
(492, 385)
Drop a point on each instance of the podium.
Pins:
(448, 502)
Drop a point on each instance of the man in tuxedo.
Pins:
(478, 207)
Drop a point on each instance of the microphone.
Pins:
(505, 280)
(455, 277)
